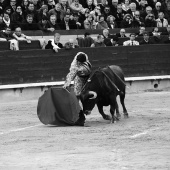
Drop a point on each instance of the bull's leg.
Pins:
(112, 110)
(100, 108)
(122, 99)
(117, 111)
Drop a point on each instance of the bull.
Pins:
(102, 88)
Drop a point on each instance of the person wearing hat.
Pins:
(80, 70)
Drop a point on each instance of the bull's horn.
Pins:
(94, 94)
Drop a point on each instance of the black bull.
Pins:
(102, 88)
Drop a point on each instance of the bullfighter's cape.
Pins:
(57, 106)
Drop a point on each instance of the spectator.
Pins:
(99, 42)
(67, 23)
(24, 5)
(89, 22)
(78, 22)
(137, 20)
(102, 24)
(77, 7)
(161, 21)
(150, 21)
(54, 43)
(64, 6)
(106, 12)
(17, 16)
(7, 20)
(167, 41)
(157, 38)
(127, 21)
(87, 34)
(106, 33)
(146, 39)
(132, 9)
(111, 22)
(2, 24)
(8, 10)
(43, 12)
(89, 5)
(132, 41)
(112, 41)
(2, 7)
(157, 10)
(71, 44)
(31, 11)
(29, 24)
(53, 24)
(126, 5)
(103, 4)
(113, 6)
(44, 25)
(96, 13)
(121, 34)
(141, 31)
(148, 10)
(57, 12)
(8, 36)
(13, 6)
(37, 4)
(142, 7)
(167, 12)
(18, 35)
(119, 14)
(51, 4)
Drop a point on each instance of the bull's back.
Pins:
(118, 71)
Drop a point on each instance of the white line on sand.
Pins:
(20, 129)
(143, 133)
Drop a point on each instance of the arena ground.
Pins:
(141, 142)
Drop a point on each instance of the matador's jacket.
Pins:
(79, 73)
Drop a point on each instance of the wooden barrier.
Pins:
(34, 66)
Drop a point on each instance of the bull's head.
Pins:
(88, 99)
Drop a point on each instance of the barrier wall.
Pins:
(33, 66)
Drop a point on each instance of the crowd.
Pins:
(51, 15)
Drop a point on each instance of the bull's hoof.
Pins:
(126, 115)
(107, 117)
(79, 123)
(118, 115)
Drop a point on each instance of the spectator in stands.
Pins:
(54, 43)
(102, 24)
(137, 20)
(17, 16)
(71, 44)
(89, 22)
(87, 34)
(156, 36)
(141, 31)
(99, 42)
(2, 7)
(103, 4)
(29, 24)
(2, 24)
(37, 4)
(24, 5)
(89, 5)
(167, 12)
(161, 21)
(31, 11)
(78, 22)
(44, 25)
(119, 14)
(148, 10)
(113, 6)
(8, 10)
(13, 6)
(150, 21)
(167, 41)
(53, 24)
(127, 21)
(67, 23)
(146, 39)
(18, 35)
(112, 41)
(106, 12)
(142, 7)
(132, 41)
(106, 33)
(96, 13)
(111, 22)
(57, 12)
(132, 9)
(126, 5)
(51, 4)
(64, 6)
(43, 12)
(157, 9)
(122, 33)
(9, 37)
(77, 7)
(7, 20)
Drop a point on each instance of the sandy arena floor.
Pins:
(141, 142)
